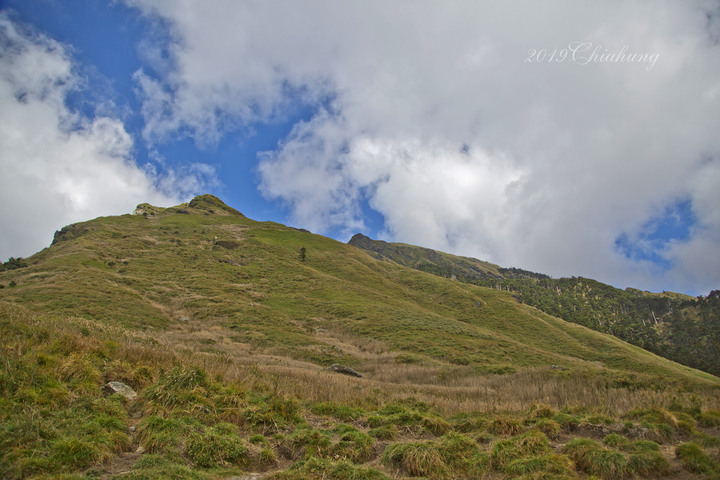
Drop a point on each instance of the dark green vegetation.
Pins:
(681, 328)
(224, 331)
(12, 264)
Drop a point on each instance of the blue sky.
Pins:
(104, 40)
(564, 138)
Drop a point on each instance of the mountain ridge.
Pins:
(676, 326)
(185, 261)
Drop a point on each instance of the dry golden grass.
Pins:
(449, 388)
(384, 380)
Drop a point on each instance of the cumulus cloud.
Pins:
(59, 167)
(526, 133)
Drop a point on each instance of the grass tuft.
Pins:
(593, 459)
(695, 460)
(542, 466)
(417, 459)
(218, 446)
(529, 444)
(313, 468)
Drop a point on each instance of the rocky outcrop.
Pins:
(69, 231)
(337, 368)
(147, 209)
(210, 204)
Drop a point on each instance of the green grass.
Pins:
(151, 271)
(319, 469)
(451, 456)
(694, 459)
(151, 467)
(194, 424)
(217, 446)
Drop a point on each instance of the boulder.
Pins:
(337, 368)
(121, 389)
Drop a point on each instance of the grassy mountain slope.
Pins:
(225, 329)
(679, 327)
(212, 264)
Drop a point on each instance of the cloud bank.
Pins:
(58, 166)
(548, 136)
(454, 122)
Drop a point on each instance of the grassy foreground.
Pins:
(209, 416)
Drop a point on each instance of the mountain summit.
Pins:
(207, 204)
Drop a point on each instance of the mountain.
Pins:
(679, 327)
(232, 332)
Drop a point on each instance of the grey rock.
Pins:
(121, 389)
(337, 368)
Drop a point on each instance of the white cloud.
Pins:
(563, 157)
(59, 167)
